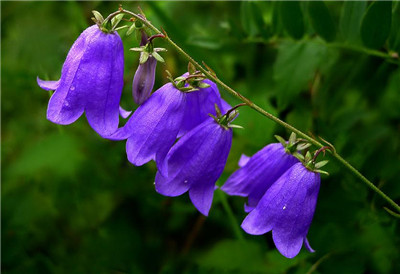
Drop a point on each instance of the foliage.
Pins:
(72, 203)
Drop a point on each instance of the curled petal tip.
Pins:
(47, 85)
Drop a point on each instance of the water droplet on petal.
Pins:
(185, 182)
(72, 88)
(284, 207)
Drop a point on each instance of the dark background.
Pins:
(72, 203)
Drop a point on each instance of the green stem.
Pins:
(260, 110)
(231, 216)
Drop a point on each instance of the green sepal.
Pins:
(292, 138)
(281, 140)
(121, 27)
(188, 89)
(321, 171)
(308, 158)
(144, 55)
(299, 156)
(115, 20)
(217, 111)
(235, 126)
(321, 164)
(99, 19)
(203, 85)
(131, 29)
(191, 68)
(159, 49)
(139, 49)
(157, 56)
(303, 146)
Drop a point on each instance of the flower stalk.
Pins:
(211, 75)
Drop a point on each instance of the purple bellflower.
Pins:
(155, 125)
(91, 82)
(258, 173)
(287, 208)
(195, 163)
(201, 103)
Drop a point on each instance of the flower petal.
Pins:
(259, 173)
(244, 159)
(199, 105)
(197, 160)
(47, 85)
(308, 246)
(287, 208)
(67, 103)
(153, 127)
(103, 66)
(124, 113)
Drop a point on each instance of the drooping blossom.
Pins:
(156, 124)
(91, 82)
(258, 173)
(201, 103)
(287, 208)
(153, 127)
(195, 163)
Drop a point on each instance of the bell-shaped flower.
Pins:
(152, 129)
(91, 82)
(258, 173)
(287, 208)
(195, 163)
(201, 103)
(155, 125)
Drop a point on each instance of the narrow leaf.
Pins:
(292, 18)
(321, 20)
(375, 27)
(350, 20)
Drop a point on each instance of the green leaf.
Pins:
(292, 19)
(321, 20)
(251, 18)
(375, 27)
(350, 20)
(289, 79)
(394, 39)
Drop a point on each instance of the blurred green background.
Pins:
(72, 203)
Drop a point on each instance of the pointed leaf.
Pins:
(321, 20)
(375, 27)
(394, 39)
(350, 20)
(251, 17)
(292, 18)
